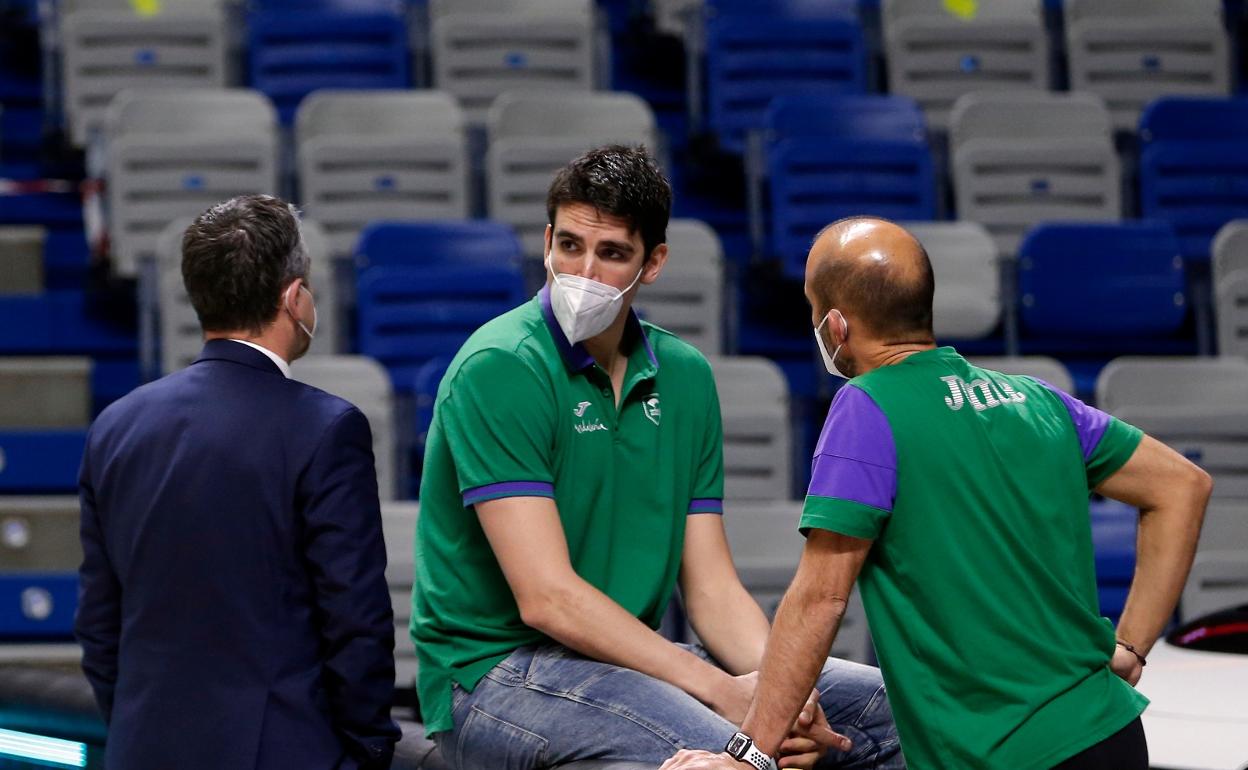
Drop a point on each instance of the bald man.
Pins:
(961, 496)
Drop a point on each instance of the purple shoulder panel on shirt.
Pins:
(1090, 422)
(855, 458)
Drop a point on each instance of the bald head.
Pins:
(875, 271)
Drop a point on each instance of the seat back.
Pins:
(755, 53)
(45, 392)
(832, 156)
(1193, 167)
(1231, 306)
(39, 533)
(483, 48)
(1218, 581)
(1230, 249)
(364, 383)
(1022, 158)
(533, 135)
(967, 302)
(1131, 52)
(173, 154)
(408, 244)
(297, 48)
(766, 548)
(687, 300)
(370, 155)
(754, 404)
(1130, 272)
(398, 525)
(935, 55)
(108, 47)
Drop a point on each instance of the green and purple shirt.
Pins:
(980, 587)
(521, 412)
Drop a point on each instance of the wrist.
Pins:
(741, 748)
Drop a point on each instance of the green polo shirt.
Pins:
(521, 412)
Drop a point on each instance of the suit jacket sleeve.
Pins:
(97, 621)
(347, 555)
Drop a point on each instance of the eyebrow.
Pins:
(621, 246)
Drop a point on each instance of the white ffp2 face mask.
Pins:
(312, 332)
(584, 307)
(829, 361)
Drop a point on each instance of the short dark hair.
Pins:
(237, 257)
(621, 181)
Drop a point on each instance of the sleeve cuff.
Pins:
(842, 516)
(508, 489)
(1116, 446)
(706, 505)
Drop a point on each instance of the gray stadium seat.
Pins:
(45, 392)
(1044, 368)
(964, 259)
(936, 56)
(1218, 581)
(687, 300)
(1199, 406)
(1132, 51)
(181, 338)
(398, 522)
(1231, 307)
(21, 259)
(758, 445)
(368, 155)
(1230, 287)
(766, 548)
(173, 154)
(365, 383)
(40, 533)
(108, 47)
(532, 135)
(1230, 249)
(1028, 157)
(1225, 527)
(482, 48)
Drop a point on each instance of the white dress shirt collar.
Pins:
(275, 358)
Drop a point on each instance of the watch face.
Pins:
(737, 746)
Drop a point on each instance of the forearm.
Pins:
(805, 626)
(584, 619)
(730, 625)
(1166, 545)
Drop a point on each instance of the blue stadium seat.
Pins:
(756, 51)
(58, 322)
(298, 46)
(394, 244)
(428, 378)
(1101, 287)
(40, 461)
(37, 606)
(830, 156)
(1194, 167)
(408, 315)
(1113, 540)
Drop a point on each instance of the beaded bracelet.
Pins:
(1131, 649)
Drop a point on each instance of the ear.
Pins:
(654, 265)
(546, 239)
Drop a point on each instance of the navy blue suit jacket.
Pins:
(233, 606)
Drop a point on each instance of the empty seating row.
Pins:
(1127, 52)
(479, 48)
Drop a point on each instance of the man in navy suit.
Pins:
(233, 606)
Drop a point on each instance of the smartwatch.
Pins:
(741, 748)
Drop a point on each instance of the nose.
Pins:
(584, 266)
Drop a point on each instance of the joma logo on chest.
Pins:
(981, 393)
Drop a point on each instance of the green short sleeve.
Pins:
(498, 420)
(842, 516)
(708, 482)
(1116, 446)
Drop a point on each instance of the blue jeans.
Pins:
(547, 705)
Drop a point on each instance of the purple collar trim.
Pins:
(576, 356)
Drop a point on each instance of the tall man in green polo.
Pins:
(573, 474)
(962, 496)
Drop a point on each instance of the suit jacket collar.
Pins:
(228, 350)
